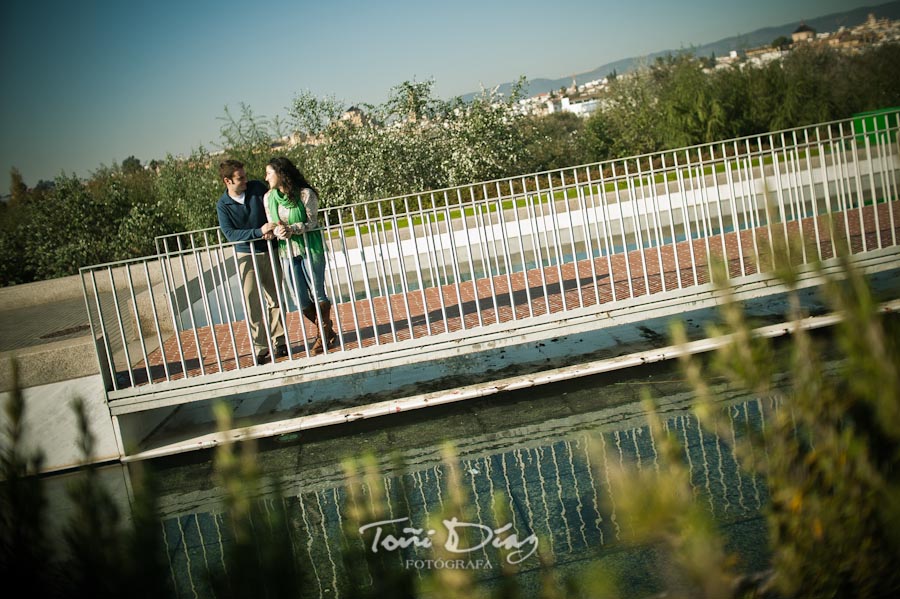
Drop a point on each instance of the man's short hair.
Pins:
(227, 168)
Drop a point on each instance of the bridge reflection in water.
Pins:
(531, 454)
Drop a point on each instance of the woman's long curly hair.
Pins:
(290, 177)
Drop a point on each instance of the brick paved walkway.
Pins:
(521, 295)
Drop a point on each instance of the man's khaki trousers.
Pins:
(267, 281)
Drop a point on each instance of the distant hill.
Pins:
(754, 39)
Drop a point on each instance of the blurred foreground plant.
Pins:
(23, 535)
(99, 556)
(658, 508)
(260, 559)
(833, 452)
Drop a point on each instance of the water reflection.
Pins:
(532, 453)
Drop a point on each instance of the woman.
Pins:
(293, 205)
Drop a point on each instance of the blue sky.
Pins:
(93, 82)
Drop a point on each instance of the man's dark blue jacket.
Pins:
(242, 223)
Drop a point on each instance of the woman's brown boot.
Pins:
(310, 313)
(327, 330)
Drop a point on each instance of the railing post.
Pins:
(588, 245)
(418, 266)
(435, 255)
(622, 228)
(599, 199)
(522, 250)
(156, 319)
(104, 351)
(454, 262)
(536, 225)
(137, 319)
(686, 216)
(507, 252)
(672, 234)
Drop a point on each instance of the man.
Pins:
(242, 218)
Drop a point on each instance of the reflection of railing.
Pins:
(420, 265)
(551, 479)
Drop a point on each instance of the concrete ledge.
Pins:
(66, 288)
(43, 361)
(40, 292)
(51, 426)
(50, 362)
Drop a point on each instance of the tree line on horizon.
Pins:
(415, 142)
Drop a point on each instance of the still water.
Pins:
(525, 460)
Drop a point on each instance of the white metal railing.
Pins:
(500, 251)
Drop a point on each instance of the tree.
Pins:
(310, 115)
(630, 115)
(781, 42)
(690, 111)
(554, 141)
(708, 62)
(131, 165)
(808, 94)
(248, 130)
(876, 77)
(414, 142)
(18, 191)
(15, 224)
(597, 138)
(187, 189)
(413, 100)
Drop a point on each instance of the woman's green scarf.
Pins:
(296, 214)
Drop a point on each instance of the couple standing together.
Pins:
(250, 212)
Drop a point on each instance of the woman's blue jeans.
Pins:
(307, 273)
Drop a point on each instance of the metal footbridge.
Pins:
(443, 290)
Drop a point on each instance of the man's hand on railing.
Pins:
(268, 231)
